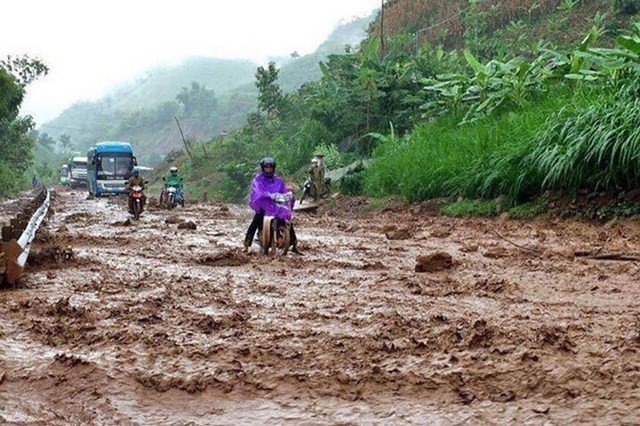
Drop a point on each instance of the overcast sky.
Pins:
(92, 45)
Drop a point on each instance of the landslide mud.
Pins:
(138, 323)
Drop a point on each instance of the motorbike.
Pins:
(136, 201)
(168, 198)
(308, 190)
(275, 234)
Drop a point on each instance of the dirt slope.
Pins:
(150, 324)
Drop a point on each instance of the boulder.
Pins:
(434, 262)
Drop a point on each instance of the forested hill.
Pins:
(208, 95)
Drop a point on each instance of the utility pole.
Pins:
(382, 26)
(183, 139)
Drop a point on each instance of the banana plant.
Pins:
(516, 82)
(447, 93)
(448, 98)
(589, 63)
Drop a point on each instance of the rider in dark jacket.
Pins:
(135, 180)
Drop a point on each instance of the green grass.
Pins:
(528, 210)
(480, 160)
(596, 147)
(468, 208)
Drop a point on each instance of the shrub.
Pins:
(628, 7)
(353, 182)
(500, 155)
(10, 180)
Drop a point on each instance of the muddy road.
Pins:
(146, 323)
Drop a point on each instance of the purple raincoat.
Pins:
(262, 189)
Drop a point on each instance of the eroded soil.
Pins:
(120, 322)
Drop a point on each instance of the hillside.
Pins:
(490, 26)
(294, 72)
(142, 111)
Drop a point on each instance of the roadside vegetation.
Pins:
(440, 123)
(16, 142)
(559, 122)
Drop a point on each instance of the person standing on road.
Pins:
(265, 184)
(317, 172)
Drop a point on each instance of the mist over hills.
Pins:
(161, 84)
(208, 95)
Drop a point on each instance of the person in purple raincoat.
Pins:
(263, 189)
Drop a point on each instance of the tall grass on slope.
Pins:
(484, 159)
(595, 148)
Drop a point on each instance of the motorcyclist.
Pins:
(317, 172)
(265, 184)
(175, 181)
(135, 180)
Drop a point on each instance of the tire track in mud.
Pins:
(148, 323)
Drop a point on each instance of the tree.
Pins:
(11, 95)
(65, 141)
(16, 144)
(197, 101)
(270, 97)
(24, 68)
(45, 140)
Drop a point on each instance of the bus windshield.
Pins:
(115, 164)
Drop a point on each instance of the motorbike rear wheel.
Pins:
(137, 210)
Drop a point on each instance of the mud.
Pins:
(147, 324)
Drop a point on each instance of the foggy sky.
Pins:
(92, 45)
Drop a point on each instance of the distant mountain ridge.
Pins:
(161, 84)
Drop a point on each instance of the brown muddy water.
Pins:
(145, 323)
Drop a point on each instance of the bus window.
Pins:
(115, 165)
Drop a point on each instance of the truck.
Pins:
(109, 166)
(77, 171)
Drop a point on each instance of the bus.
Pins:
(77, 171)
(110, 165)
